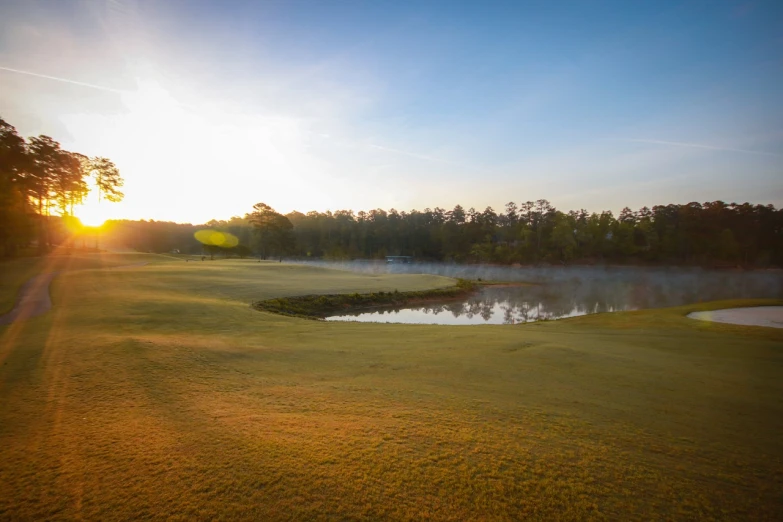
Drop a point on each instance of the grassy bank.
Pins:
(158, 392)
(320, 306)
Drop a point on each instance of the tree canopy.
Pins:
(274, 231)
(706, 234)
(40, 184)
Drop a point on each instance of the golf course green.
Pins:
(158, 391)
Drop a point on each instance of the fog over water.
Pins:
(565, 291)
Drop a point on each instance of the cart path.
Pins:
(34, 298)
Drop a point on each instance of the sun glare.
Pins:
(94, 213)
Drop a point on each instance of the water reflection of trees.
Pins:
(599, 293)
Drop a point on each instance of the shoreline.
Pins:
(318, 307)
(660, 266)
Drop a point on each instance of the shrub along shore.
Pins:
(321, 306)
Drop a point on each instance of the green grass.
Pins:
(158, 392)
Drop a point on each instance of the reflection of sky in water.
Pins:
(573, 296)
(497, 313)
(489, 306)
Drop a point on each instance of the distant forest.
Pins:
(709, 234)
(40, 184)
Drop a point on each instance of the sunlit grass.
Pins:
(158, 392)
(14, 273)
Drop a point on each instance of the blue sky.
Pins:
(208, 107)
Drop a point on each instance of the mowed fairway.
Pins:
(158, 392)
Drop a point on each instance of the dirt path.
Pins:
(34, 299)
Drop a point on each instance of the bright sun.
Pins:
(92, 212)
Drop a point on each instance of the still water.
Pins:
(488, 306)
(569, 292)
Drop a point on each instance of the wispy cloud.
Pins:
(410, 154)
(63, 80)
(696, 146)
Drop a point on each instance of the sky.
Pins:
(208, 107)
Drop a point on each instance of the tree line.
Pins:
(40, 184)
(711, 234)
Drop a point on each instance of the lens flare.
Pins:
(216, 238)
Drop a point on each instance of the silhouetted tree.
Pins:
(40, 184)
(274, 231)
(14, 208)
(107, 179)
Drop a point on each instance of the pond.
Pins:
(571, 291)
(491, 305)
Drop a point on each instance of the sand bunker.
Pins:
(771, 316)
